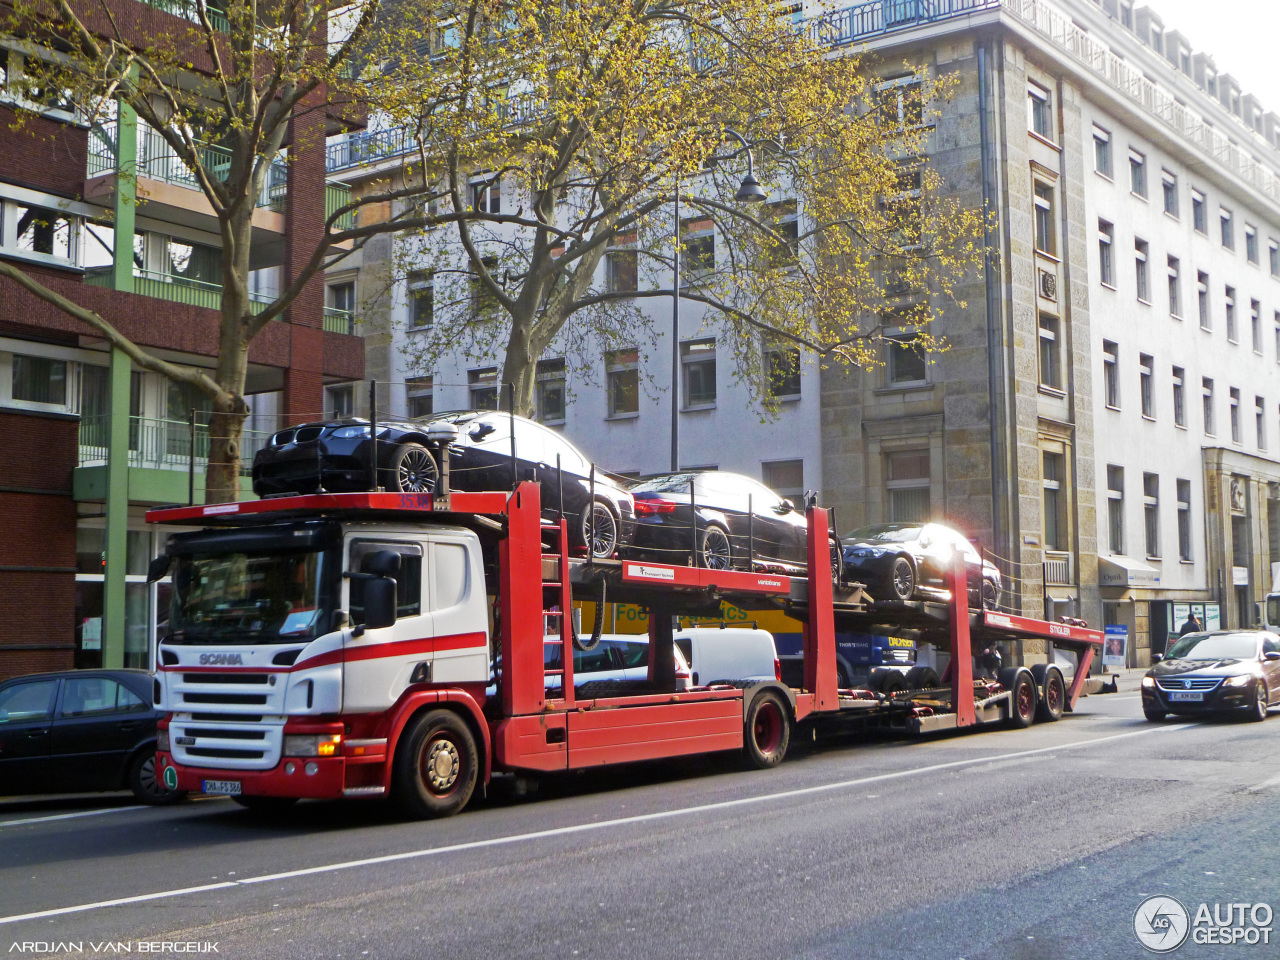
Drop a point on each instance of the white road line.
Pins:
(67, 816)
(1265, 784)
(584, 827)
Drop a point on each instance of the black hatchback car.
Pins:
(334, 456)
(905, 561)
(80, 731)
(740, 524)
(1235, 671)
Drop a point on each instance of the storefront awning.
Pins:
(1124, 572)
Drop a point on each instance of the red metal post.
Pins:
(1083, 663)
(520, 577)
(820, 630)
(961, 669)
(566, 614)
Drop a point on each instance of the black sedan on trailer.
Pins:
(740, 524)
(907, 561)
(80, 731)
(334, 456)
(1235, 671)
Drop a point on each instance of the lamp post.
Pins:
(749, 191)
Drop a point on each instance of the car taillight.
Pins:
(651, 508)
(777, 669)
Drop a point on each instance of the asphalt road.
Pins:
(999, 844)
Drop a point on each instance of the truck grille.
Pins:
(231, 720)
(246, 699)
(245, 678)
(237, 746)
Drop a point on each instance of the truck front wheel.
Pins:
(767, 731)
(436, 766)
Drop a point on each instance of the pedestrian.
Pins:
(1193, 625)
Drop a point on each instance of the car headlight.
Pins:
(312, 744)
(1241, 681)
(162, 741)
(1148, 683)
(346, 433)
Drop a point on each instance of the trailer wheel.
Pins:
(1022, 685)
(767, 731)
(436, 765)
(923, 678)
(1053, 699)
(887, 680)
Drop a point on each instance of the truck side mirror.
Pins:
(380, 602)
(159, 568)
(381, 563)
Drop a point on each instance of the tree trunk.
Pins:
(520, 370)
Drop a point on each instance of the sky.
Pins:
(1240, 35)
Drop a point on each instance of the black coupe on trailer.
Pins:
(907, 561)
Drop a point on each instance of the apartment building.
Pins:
(91, 441)
(1104, 419)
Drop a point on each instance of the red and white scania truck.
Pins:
(350, 645)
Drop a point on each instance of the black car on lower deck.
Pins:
(740, 524)
(907, 561)
(334, 456)
(1235, 671)
(80, 731)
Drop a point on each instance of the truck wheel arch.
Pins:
(462, 703)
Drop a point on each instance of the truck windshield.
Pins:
(248, 597)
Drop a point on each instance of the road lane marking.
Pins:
(68, 816)
(584, 827)
(1265, 784)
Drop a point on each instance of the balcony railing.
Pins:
(339, 321)
(187, 9)
(1057, 569)
(337, 195)
(161, 286)
(160, 444)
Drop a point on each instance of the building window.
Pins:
(622, 271)
(1137, 174)
(1259, 421)
(1206, 388)
(622, 381)
(1175, 288)
(1234, 395)
(484, 303)
(1184, 520)
(47, 232)
(699, 259)
(782, 217)
(1106, 269)
(1102, 152)
(342, 300)
(1179, 397)
(784, 477)
(1202, 300)
(1140, 270)
(340, 401)
(422, 299)
(1041, 111)
(1273, 256)
(1111, 374)
(905, 360)
(1050, 352)
(1229, 300)
(1115, 508)
(420, 396)
(783, 368)
(908, 487)
(1255, 325)
(482, 387)
(1170, 186)
(1044, 218)
(698, 373)
(549, 394)
(1227, 220)
(1147, 387)
(486, 193)
(1055, 512)
(39, 380)
(1250, 243)
(1199, 213)
(1151, 512)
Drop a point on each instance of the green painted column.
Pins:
(117, 505)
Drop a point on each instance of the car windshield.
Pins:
(887, 533)
(1215, 646)
(679, 483)
(248, 597)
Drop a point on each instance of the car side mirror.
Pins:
(480, 431)
(379, 603)
(1157, 657)
(158, 569)
(1271, 655)
(786, 506)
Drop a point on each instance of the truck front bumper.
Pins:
(316, 778)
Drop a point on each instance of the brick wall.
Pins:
(43, 154)
(37, 542)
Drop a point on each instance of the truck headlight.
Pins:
(162, 741)
(1241, 681)
(312, 744)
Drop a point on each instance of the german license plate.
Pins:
(1194, 696)
(228, 787)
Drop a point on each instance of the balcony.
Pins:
(1057, 569)
(158, 444)
(187, 10)
(195, 293)
(337, 320)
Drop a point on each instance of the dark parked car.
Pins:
(334, 456)
(740, 523)
(80, 731)
(905, 561)
(1226, 670)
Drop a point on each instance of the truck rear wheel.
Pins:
(436, 765)
(1022, 706)
(1053, 697)
(767, 731)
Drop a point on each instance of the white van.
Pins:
(732, 654)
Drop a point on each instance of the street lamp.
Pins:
(749, 191)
